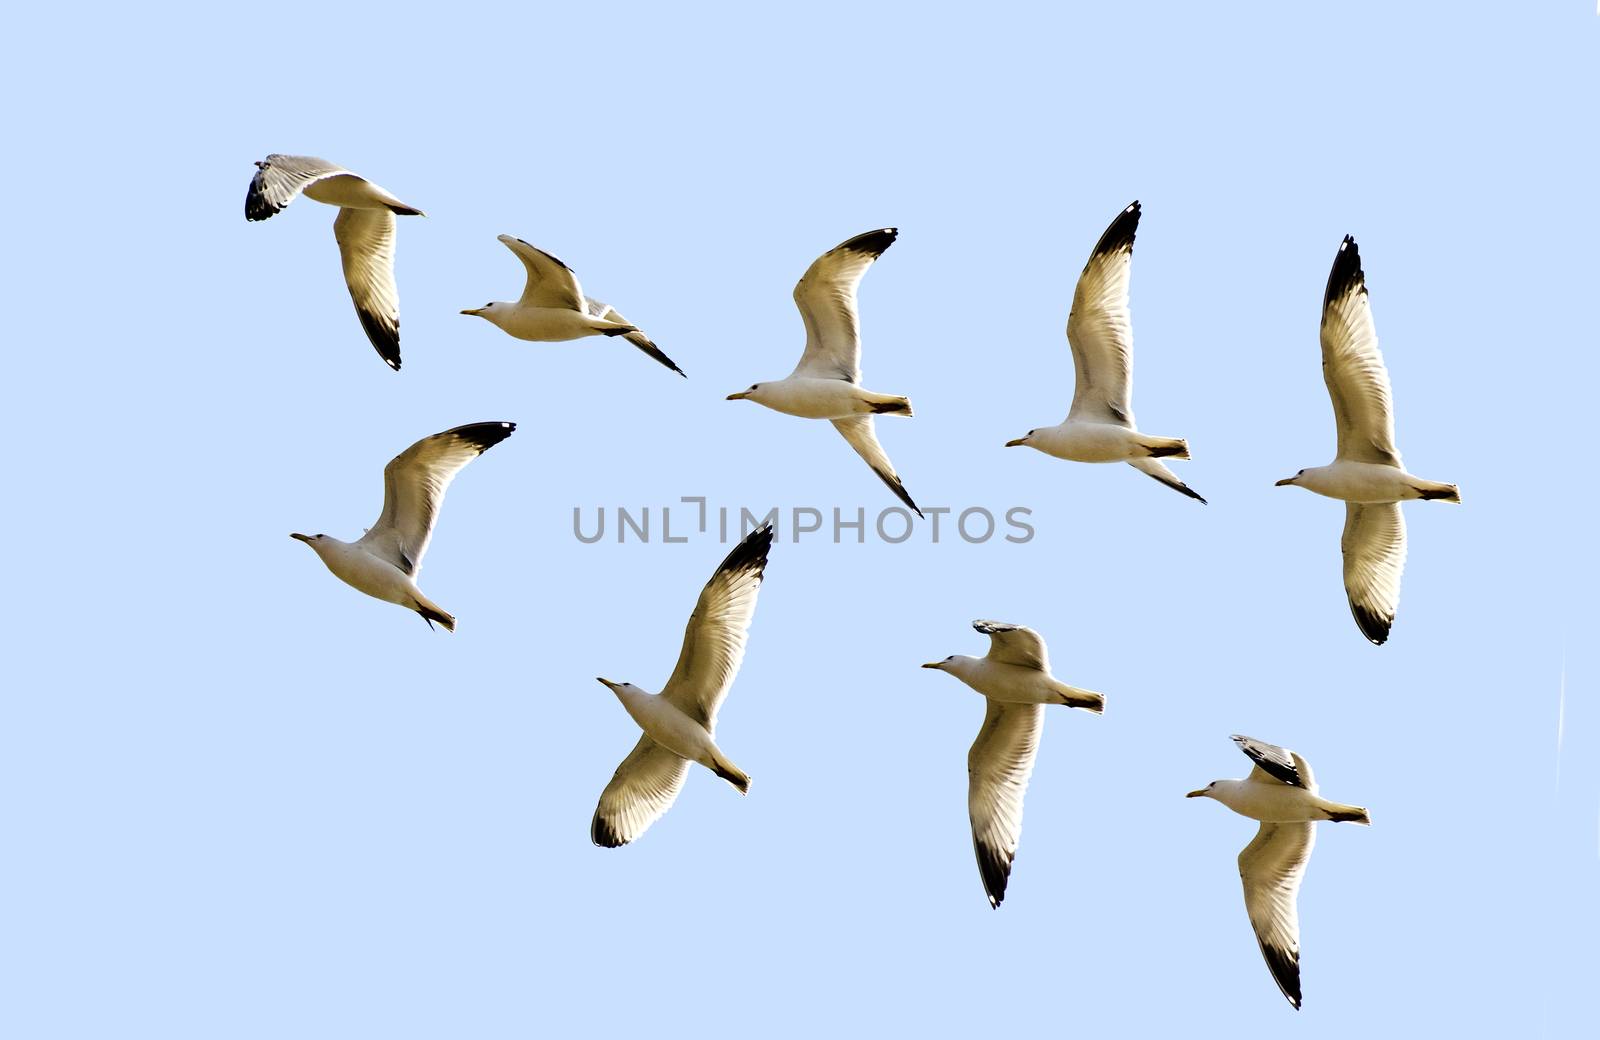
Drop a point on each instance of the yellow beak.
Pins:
(1285, 482)
(1196, 794)
(1019, 442)
(740, 396)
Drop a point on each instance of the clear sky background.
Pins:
(238, 799)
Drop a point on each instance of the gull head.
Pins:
(751, 394)
(1204, 792)
(618, 688)
(1020, 441)
(1290, 481)
(489, 311)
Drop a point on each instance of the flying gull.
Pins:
(826, 382)
(680, 722)
(1366, 473)
(553, 307)
(1015, 679)
(364, 229)
(1280, 792)
(1099, 426)
(384, 562)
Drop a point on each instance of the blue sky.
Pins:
(242, 800)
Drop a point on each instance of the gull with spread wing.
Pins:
(384, 562)
(680, 722)
(553, 307)
(1280, 792)
(826, 384)
(364, 229)
(1366, 473)
(1099, 426)
(1014, 677)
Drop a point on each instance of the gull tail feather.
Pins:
(431, 612)
(1432, 490)
(1165, 447)
(1088, 700)
(888, 404)
(731, 773)
(1347, 814)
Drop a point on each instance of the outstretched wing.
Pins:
(643, 788)
(826, 296)
(414, 483)
(1157, 469)
(1357, 381)
(1100, 329)
(280, 178)
(366, 248)
(1271, 868)
(609, 313)
(551, 283)
(998, 768)
(1374, 547)
(714, 639)
(1015, 644)
(858, 431)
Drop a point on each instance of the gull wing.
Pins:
(826, 296)
(998, 768)
(609, 313)
(1374, 547)
(1157, 469)
(366, 249)
(551, 283)
(280, 179)
(859, 433)
(1100, 328)
(1353, 368)
(414, 483)
(1271, 868)
(1276, 764)
(643, 788)
(714, 639)
(1014, 644)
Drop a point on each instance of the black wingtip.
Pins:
(601, 834)
(1373, 625)
(750, 554)
(1285, 968)
(872, 243)
(384, 336)
(1119, 235)
(1346, 276)
(484, 435)
(994, 867)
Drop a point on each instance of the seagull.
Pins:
(1015, 679)
(1366, 473)
(1280, 792)
(1099, 425)
(553, 307)
(364, 229)
(680, 722)
(826, 384)
(384, 562)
